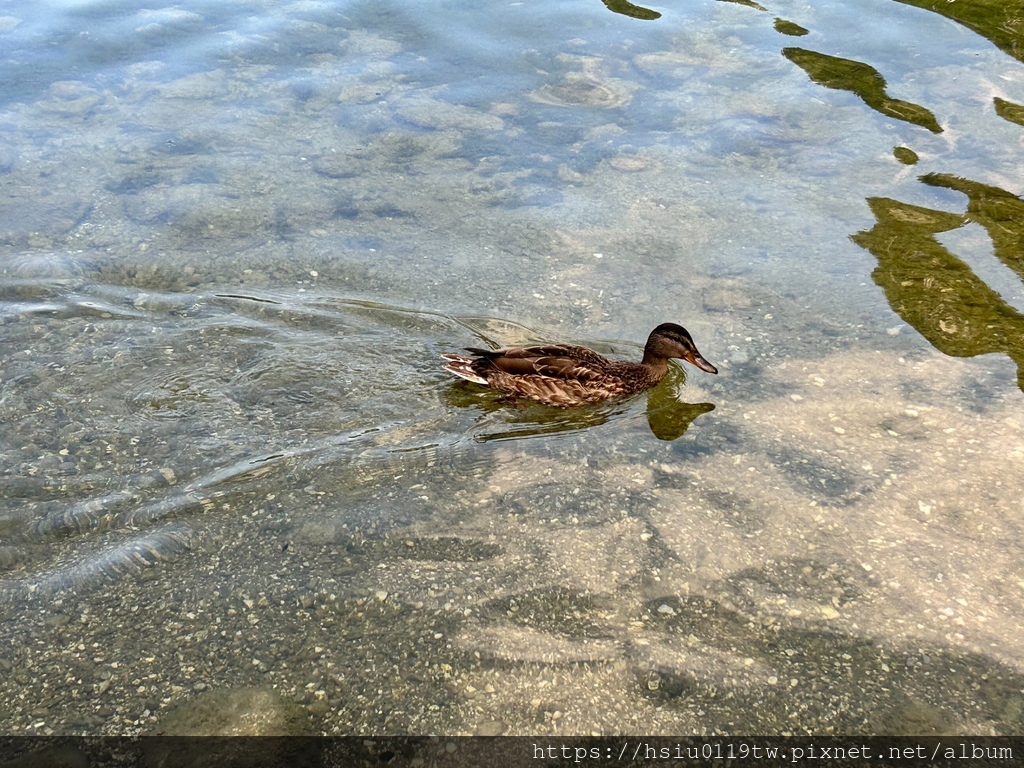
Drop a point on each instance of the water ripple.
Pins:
(105, 565)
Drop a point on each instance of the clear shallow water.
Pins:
(236, 237)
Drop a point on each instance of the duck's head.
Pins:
(669, 340)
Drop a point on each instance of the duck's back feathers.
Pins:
(558, 361)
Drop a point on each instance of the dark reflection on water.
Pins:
(927, 285)
(786, 27)
(748, 3)
(1009, 111)
(1001, 21)
(628, 9)
(1000, 212)
(905, 155)
(667, 416)
(935, 291)
(863, 80)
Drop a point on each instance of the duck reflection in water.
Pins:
(577, 378)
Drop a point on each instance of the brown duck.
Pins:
(565, 376)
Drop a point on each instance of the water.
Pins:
(236, 237)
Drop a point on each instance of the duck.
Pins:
(565, 376)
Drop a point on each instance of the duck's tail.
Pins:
(463, 367)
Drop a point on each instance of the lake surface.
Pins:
(236, 236)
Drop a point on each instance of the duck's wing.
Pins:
(548, 350)
(555, 361)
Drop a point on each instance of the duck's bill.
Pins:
(701, 363)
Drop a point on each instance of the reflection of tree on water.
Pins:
(936, 292)
(1009, 111)
(667, 416)
(627, 8)
(863, 80)
(927, 285)
(1001, 21)
(998, 211)
(749, 3)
